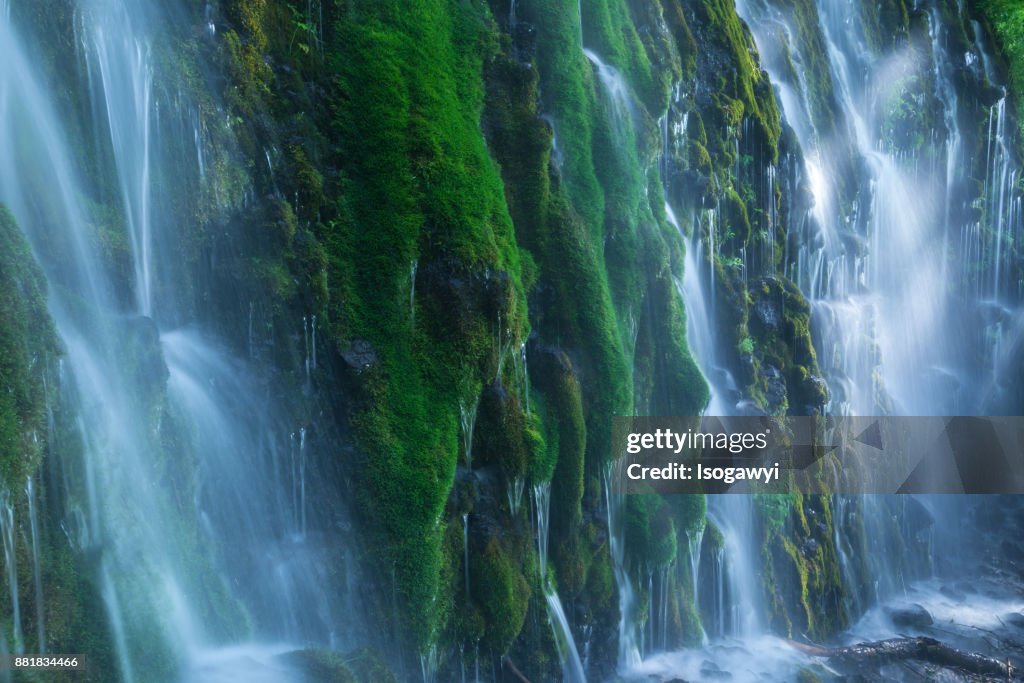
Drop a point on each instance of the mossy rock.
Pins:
(502, 595)
(650, 531)
(27, 341)
(320, 666)
(327, 666)
(500, 433)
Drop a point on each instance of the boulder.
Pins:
(911, 616)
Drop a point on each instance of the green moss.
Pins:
(72, 608)
(502, 595)
(610, 28)
(320, 665)
(780, 329)
(501, 436)
(802, 581)
(404, 178)
(815, 67)
(742, 88)
(1005, 19)
(27, 341)
(650, 531)
(885, 23)
(668, 380)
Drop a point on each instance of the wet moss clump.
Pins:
(782, 349)
(502, 595)
(327, 666)
(802, 581)
(27, 342)
(650, 531)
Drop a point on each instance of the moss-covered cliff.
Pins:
(53, 605)
(469, 208)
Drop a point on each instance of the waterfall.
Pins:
(37, 573)
(309, 344)
(572, 666)
(884, 346)
(123, 72)
(465, 550)
(428, 665)
(524, 382)
(740, 603)
(183, 485)
(298, 477)
(467, 419)
(8, 538)
(700, 327)
(623, 109)
(629, 642)
(514, 491)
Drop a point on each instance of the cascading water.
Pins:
(884, 344)
(572, 665)
(629, 628)
(7, 538)
(888, 335)
(700, 326)
(739, 613)
(467, 420)
(186, 493)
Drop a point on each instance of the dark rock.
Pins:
(775, 391)
(814, 389)
(525, 40)
(912, 616)
(144, 356)
(768, 313)
(456, 295)
(711, 671)
(953, 593)
(360, 355)
(1015, 619)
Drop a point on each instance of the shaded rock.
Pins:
(953, 593)
(768, 313)
(143, 356)
(913, 616)
(359, 356)
(775, 391)
(712, 672)
(321, 666)
(1015, 619)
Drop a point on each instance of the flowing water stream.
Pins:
(227, 568)
(892, 269)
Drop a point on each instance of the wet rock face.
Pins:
(457, 296)
(914, 616)
(144, 358)
(359, 356)
(768, 314)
